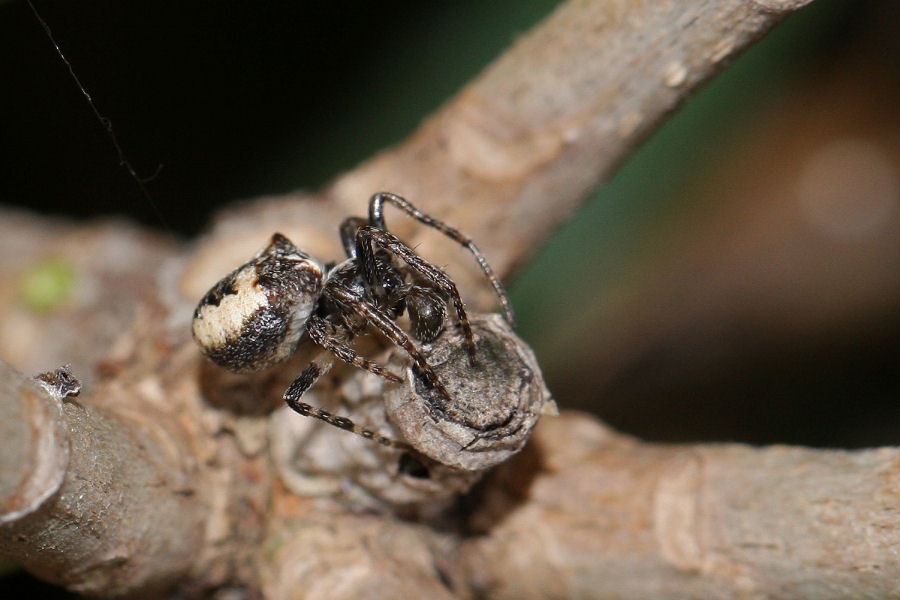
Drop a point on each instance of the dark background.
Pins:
(737, 280)
(233, 99)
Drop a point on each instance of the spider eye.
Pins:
(254, 318)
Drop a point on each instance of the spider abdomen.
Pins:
(255, 317)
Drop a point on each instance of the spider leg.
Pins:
(334, 339)
(376, 318)
(376, 219)
(365, 236)
(348, 234)
(318, 367)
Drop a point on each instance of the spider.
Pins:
(259, 315)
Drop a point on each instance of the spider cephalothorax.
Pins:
(259, 314)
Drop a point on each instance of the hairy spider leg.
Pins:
(376, 219)
(385, 240)
(345, 297)
(320, 365)
(334, 339)
(348, 234)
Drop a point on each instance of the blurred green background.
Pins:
(738, 279)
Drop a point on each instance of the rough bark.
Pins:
(159, 476)
(104, 501)
(598, 514)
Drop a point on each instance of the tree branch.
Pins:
(517, 149)
(158, 470)
(588, 513)
(96, 501)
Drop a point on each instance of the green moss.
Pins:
(47, 285)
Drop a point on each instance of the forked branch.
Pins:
(583, 513)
